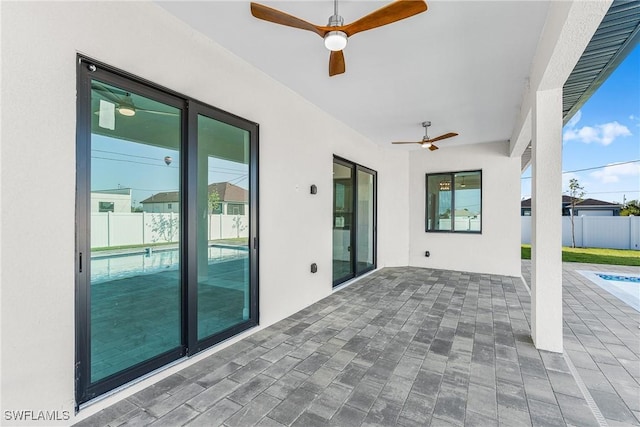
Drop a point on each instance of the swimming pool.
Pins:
(105, 268)
(625, 287)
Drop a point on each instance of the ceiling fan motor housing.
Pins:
(335, 21)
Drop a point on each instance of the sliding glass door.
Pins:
(166, 228)
(224, 214)
(354, 220)
(343, 220)
(365, 235)
(134, 289)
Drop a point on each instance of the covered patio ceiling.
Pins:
(463, 65)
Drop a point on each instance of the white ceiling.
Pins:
(463, 65)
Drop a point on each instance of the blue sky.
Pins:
(118, 163)
(604, 132)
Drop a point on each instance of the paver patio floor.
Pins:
(411, 347)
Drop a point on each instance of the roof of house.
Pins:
(526, 203)
(228, 193)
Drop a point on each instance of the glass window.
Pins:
(105, 207)
(454, 202)
(235, 209)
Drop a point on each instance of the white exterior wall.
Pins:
(121, 202)
(497, 249)
(39, 45)
(153, 207)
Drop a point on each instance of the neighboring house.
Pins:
(231, 200)
(584, 207)
(116, 200)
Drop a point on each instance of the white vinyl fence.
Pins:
(614, 232)
(139, 228)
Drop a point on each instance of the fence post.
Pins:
(108, 229)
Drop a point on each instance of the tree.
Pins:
(238, 225)
(164, 227)
(576, 191)
(632, 207)
(214, 201)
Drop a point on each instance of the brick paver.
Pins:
(402, 346)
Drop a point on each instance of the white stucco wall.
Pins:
(497, 249)
(40, 41)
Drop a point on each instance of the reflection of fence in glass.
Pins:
(461, 224)
(139, 228)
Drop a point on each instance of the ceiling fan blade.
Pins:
(277, 17)
(399, 9)
(407, 142)
(336, 63)
(433, 147)
(161, 113)
(445, 136)
(106, 92)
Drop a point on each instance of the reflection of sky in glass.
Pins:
(468, 199)
(125, 164)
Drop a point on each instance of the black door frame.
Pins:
(86, 70)
(355, 167)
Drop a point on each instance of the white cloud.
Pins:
(575, 119)
(603, 134)
(613, 172)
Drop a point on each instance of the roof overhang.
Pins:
(616, 36)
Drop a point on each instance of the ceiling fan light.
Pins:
(335, 40)
(426, 144)
(127, 110)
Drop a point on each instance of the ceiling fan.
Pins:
(429, 142)
(335, 34)
(123, 101)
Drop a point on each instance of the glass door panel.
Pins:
(223, 195)
(366, 221)
(343, 221)
(135, 284)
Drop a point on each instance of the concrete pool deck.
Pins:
(413, 347)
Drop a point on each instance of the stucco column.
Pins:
(546, 220)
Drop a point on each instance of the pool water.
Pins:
(619, 278)
(105, 268)
(625, 287)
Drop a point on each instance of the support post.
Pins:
(546, 219)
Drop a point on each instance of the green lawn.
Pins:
(593, 255)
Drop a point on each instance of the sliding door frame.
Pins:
(87, 70)
(354, 234)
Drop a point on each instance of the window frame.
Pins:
(452, 175)
(110, 206)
